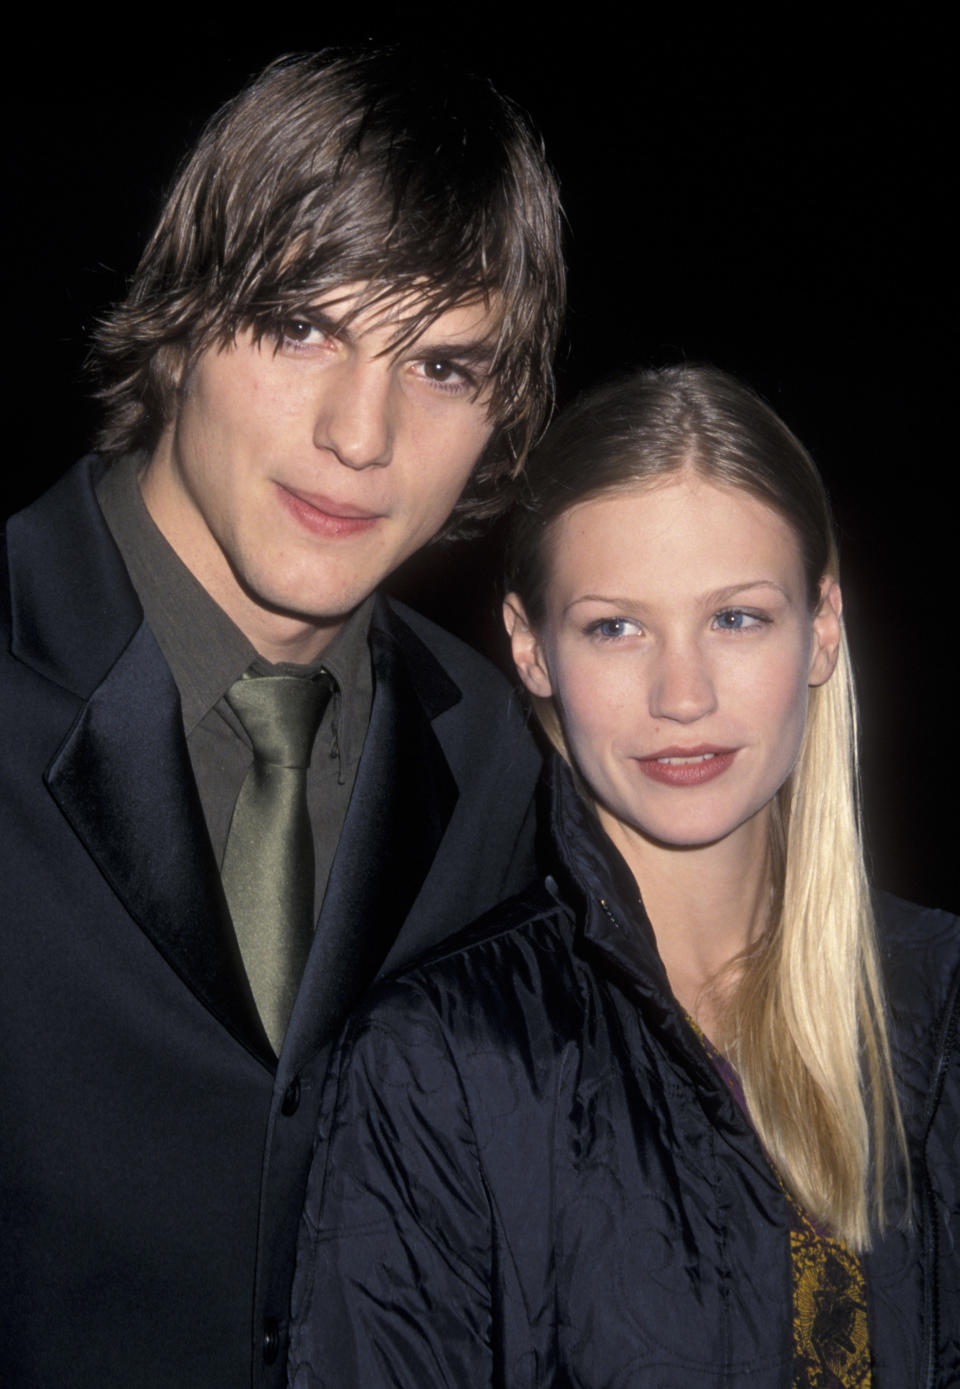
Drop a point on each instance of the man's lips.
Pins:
(324, 516)
(678, 766)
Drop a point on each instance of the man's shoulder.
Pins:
(67, 598)
(444, 704)
(74, 489)
(63, 534)
(454, 655)
(461, 690)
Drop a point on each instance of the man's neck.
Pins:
(278, 636)
(283, 639)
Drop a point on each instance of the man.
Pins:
(345, 318)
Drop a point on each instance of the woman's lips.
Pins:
(325, 517)
(686, 766)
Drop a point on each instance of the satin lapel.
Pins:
(123, 780)
(402, 802)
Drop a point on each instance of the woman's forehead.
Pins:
(673, 533)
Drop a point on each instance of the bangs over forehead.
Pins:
(425, 186)
(405, 318)
(387, 178)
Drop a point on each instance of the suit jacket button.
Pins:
(291, 1099)
(271, 1340)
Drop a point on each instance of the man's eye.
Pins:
(300, 331)
(443, 372)
(438, 371)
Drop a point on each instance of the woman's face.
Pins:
(678, 645)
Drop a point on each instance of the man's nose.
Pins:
(683, 688)
(354, 417)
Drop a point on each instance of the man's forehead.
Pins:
(409, 316)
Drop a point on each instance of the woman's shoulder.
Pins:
(510, 978)
(918, 945)
(470, 1032)
(531, 934)
(910, 922)
(920, 959)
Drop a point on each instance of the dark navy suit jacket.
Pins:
(153, 1153)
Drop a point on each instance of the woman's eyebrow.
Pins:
(713, 596)
(723, 595)
(610, 599)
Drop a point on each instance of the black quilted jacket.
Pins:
(529, 1173)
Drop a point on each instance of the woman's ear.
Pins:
(527, 652)
(827, 632)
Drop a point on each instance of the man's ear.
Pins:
(527, 652)
(827, 632)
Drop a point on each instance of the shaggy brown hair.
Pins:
(328, 171)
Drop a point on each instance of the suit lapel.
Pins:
(402, 802)
(122, 777)
(123, 780)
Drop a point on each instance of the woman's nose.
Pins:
(682, 689)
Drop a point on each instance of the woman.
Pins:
(688, 1114)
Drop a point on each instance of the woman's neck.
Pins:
(707, 905)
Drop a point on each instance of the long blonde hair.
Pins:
(805, 1025)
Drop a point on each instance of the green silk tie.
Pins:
(268, 863)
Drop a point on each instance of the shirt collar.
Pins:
(205, 650)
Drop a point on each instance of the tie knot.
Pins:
(281, 714)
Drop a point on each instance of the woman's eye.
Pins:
(611, 628)
(736, 620)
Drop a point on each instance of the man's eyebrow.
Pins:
(476, 351)
(325, 321)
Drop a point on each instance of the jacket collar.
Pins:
(122, 776)
(615, 922)
(616, 933)
(124, 782)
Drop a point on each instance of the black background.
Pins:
(773, 198)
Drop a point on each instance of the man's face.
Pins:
(296, 477)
